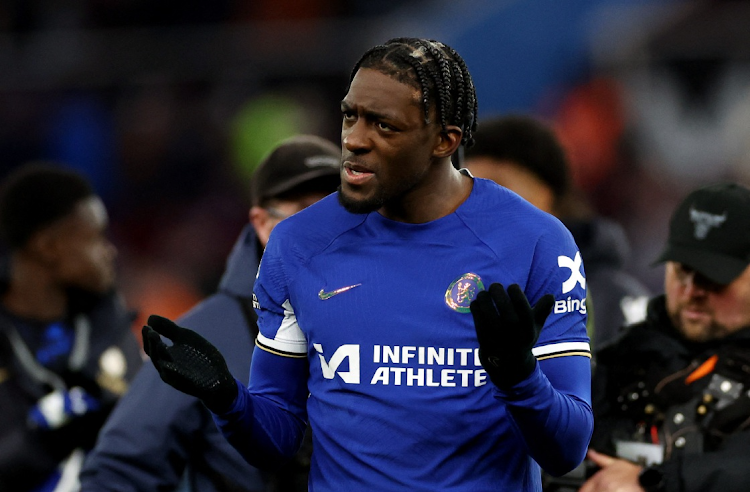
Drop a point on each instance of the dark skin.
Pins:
(72, 252)
(392, 161)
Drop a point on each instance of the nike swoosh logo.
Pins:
(323, 295)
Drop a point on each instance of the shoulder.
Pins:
(111, 331)
(653, 336)
(201, 318)
(500, 215)
(313, 229)
(109, 317)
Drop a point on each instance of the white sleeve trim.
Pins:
(289, 338)
(560, 348)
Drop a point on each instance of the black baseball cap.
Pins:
(710, 232)
(295, 162)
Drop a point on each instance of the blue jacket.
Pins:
(156, 433)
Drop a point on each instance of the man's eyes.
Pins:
(352, 115)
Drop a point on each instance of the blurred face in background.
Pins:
(514, 177)
(704, 310)
(77, 250)
(264, 218)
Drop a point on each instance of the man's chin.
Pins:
(693, 331)
(701, 331)
(358, 206)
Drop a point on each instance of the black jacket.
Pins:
(616, 297)
(653, 385)
(107, 357)
(157, 434)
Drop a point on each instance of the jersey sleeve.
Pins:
(268, 419)
(552, 408)
(279, 331)
(558, 269)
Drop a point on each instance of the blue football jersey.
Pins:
(376, 313)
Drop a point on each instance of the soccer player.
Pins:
(375, 324)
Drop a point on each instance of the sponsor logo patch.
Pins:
(576, 276)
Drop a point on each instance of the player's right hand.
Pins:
(191, 364)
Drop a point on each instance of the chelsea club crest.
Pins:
(462, 291)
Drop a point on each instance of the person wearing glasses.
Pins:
(159, 438)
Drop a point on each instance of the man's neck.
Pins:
(435, 199)
(33, 294)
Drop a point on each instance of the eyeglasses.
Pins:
(685, 275)
(276, 213)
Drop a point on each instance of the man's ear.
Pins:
(448, 141)
(42, 245)
(262, 223)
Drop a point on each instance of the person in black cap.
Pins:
(671, 400)
(158, 437)
(296, 174)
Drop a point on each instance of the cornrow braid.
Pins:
(438, 71)
(374, 52)
(422, 78)
(472, 106)
(444, 80)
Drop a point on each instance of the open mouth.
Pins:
(356, 174)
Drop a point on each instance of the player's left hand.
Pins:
(507, 329)
(615, 475)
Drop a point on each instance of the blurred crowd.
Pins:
(168, 110)
(650, 99)
(171, 157)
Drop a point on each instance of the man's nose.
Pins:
(354, 138)
(693, 285)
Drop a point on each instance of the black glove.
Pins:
(191, 364)
(507, 328)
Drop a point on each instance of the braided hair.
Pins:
(438, 71)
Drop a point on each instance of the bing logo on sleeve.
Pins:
(462, 291)
(576, 277)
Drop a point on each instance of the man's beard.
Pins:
(698, 333)
(361, 206)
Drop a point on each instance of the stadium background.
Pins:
(168, 105)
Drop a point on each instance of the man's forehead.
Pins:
(375, 83)
(93, 208)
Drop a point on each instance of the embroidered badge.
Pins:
(462, 291)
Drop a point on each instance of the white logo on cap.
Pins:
(704, 221)
(322, 161)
